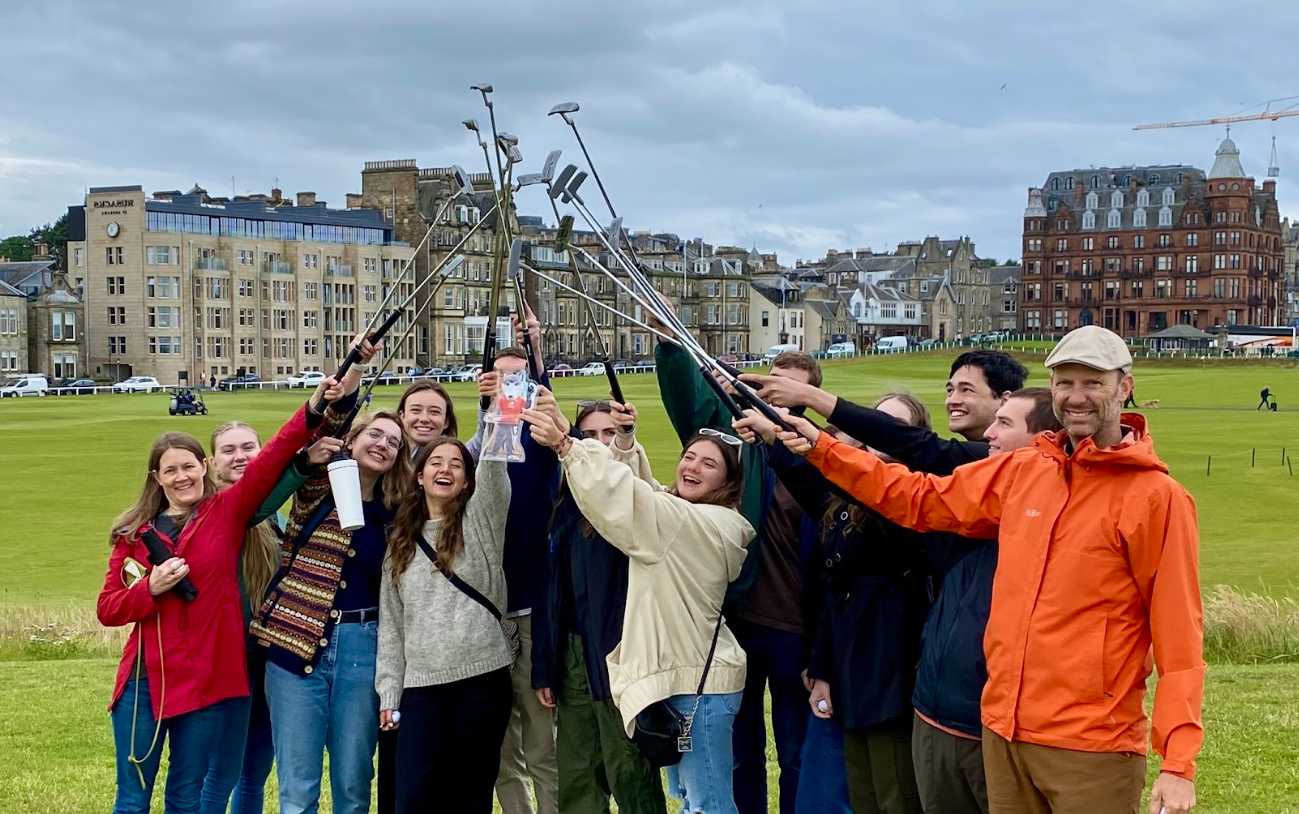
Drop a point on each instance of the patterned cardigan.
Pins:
(296, 615)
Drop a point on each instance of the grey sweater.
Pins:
(430, 632)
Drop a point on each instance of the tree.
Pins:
(18, 248)
(1011, 263)
(55, 236)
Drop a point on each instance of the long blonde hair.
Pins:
(261, 556)
(152, 499)
(397, 483)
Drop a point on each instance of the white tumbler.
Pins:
(345, 483)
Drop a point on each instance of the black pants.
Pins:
(449, 750)
(387, 777)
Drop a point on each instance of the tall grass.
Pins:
(51, 632)
(1241, 628)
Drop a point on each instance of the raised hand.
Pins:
(623, 415)
(544, 429)
(548, 404)
(754, 427)
(803, 439)
(488, 383)
(320, 452)
(782, 391)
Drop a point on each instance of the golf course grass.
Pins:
(69, 465)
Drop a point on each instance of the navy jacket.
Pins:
(952, 669)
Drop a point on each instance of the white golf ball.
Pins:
(822, 706)
(396, 716)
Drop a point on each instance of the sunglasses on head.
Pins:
(725, 438)
(602, 404)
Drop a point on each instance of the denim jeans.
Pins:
(704, 780)
(822, 778)
(774, 665)
(242, 760)
(334, 709)
(193, 736)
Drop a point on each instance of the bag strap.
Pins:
(464, 587)
(708, 663)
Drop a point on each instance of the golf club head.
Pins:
(516, 252)
(527, 180)
(562, 181)
(571, 192)
(615, 232)
(453, 265)
(481, 88)
(460, 181)
(514, 154)
(565, 235)
(552, 161)
(565, 107)
(508, 138)
(471, 124)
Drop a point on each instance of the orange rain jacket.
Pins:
(1099, 559)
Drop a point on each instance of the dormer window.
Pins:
(1143, 197)
(1089, 220)
(1068, 182)
(1092, 200)
(1168, 196)
(1096, 182)
(1139, 219)
(1116, 199)
(1114, 219)
(1055, 184)
(1165, 217)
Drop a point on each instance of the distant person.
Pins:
(1264, 395)
(1131, 401)
(211, 382)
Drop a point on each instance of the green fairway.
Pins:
(69, 465)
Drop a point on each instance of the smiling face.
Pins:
(506, 365)
(232, 452)
(1088, 401)
(443, 475)
(1010, 429)
(376, 447)
(424, 416)
(180, 474)
(599, 425)
(971, 405)
(700, 471)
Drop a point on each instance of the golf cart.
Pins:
(186, 403)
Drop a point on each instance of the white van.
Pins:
(776, 350)
(888, 344)
(28, 385)
(841, 349)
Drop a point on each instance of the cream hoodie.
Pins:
(682, 555)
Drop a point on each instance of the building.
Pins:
(13, 331)
(968, 278)
(1291, 260)
(1138, 249)
(827, 318)
(775, 313)
(55, 345)
(1003, 297)
(190, 286)
(881, 311)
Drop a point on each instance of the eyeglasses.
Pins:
(709, 432)
(602, 404)
(392, 441)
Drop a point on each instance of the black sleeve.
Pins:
(918, 449)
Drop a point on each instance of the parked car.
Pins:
(138, 384)
(622, 367)
(841, 349)
(437, 374)
(644, 366)
(242, 382)
(74, 387)
(592, 369)
(729, 359)
(307, 378)
(467, 373)
(890, 344)
(776, 350)
(32, 384)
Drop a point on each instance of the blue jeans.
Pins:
(823, 779)
(193, 736)
(704, 780)
(335, 708)
(242, 760)
(775, 659)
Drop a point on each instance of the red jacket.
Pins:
(203, 657)
(1099, 562)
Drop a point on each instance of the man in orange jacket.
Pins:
(1099, 562)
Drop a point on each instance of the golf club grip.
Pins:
(615, 389)
(353, 356)
(534, 370)
(734, 373)
(489, 359)
(727, 401)
(768, 412)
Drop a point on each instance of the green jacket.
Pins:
(692, 405)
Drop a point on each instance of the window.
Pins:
(1192, 264)
(218, 347)
(1235, 261)
(1220, 261)
(368, 293)
(1221, 217)
(245, 257)
(1089, 220)
(1143, 197)
(1235, 238)
(218, 318)
(162, 317)
(1068, 183)
(1138, 264)
(1032, 319)
(162, 255)
(1060, 319)
(113, 255)
(1114, 220)
(1111, 290)
(1062, 244)
(79, 258)
(218, 288)
(1096, 182)
(309, 261)
(1092, 200)
(1168, 196)
(1088, 244)
(1035, 245)
(116, 344)
(1138, 241)
(1192, 239)
(310, 347)
(1165, 241)
(8, 360)
(63, 326)
(164, 344)
(1032, 292)
(116, 315)
(1139, 219)
(1162, 289)
(310, 319)
(310, 291)
(1233, 288)
(1220, 287)
(1165, 217)
(1116, 199)
(1192, 288)
(1164, 263)
(1088, 267)
(9, 321)
(1231, 317)
(1138, 289)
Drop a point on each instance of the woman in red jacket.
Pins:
(183, 667)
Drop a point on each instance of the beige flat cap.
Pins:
(1093, 346)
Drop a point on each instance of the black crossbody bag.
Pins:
(508, 626)
(661, 733)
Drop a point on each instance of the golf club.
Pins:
(516, 252)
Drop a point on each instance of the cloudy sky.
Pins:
(792, 126)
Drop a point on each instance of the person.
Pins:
(575, 630)
(318, 625)
(182, 677)
(1099, 564)
(1263, 395)
(443, 660)
(765, 603)
(876, 582)
(242, 760)
(684, 546)
(947, 752)
(211, 382)
(427, 413)
(1130, 401)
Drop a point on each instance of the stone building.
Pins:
(1138, 249)
(881, 311)
(189, 286)
(1291, 267)
(827, 318)
(13, 331)
(1003, 297)
(968, 278)
(775, 313)
(55, 345)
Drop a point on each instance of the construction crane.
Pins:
(1268, 114)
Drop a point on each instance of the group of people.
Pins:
(938, 625)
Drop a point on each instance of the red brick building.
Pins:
(1138, 249)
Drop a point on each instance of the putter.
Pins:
(516, 251)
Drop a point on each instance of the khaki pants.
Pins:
(1024, 778)
(881, 776)
(529, 748)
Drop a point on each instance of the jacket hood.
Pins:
(1139, 454)
(736, 532)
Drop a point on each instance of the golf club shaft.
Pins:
(593, 323)
(592, 301)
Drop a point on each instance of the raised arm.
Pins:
(690, 404)
(489, 507)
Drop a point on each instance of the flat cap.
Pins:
(1093, 346)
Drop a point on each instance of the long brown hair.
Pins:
(408, 526)
(152, 499)
(396, 483)
(261, 556)
(731, 491)
(856, 513)
(449, 425)
(583, 413)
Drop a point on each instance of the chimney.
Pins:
(306, 199)
(42, 252)
(1269, 187)
(353, 200)
(277, 195)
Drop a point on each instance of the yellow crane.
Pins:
(1268, 114)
